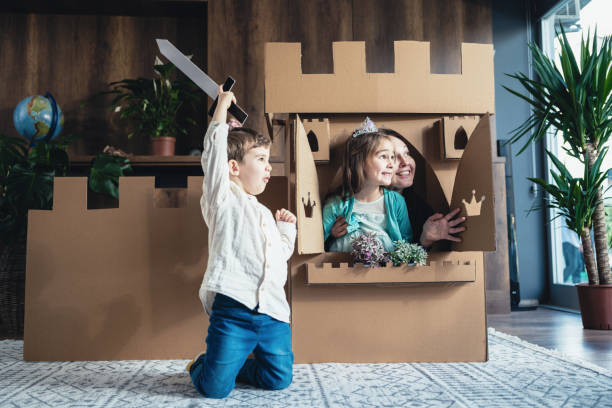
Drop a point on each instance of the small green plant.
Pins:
(407, 253)
(26, 181)
(368, 250)
(153, 105)
(106, 169)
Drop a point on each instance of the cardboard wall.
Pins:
(379, 323)
(119, 284)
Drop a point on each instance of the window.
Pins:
(576, 17)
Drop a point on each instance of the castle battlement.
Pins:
(441, 267)
(412, 88)
(136, 194)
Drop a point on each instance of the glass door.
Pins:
(576, 17)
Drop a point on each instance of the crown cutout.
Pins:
(473, 207)
(308, 206)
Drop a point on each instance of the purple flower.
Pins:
(368, 249)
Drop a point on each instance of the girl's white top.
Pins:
(372, 217)
(247, 249)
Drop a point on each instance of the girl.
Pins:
(363, 204)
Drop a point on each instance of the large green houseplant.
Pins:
(26, 182)
(154, 106)
(576, 199)
(575, 102)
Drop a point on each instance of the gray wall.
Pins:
(510, 37)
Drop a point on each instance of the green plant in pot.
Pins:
(155, 106)
(575, 102)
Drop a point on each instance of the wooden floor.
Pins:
(558, 330)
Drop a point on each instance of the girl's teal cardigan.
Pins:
(398, 223)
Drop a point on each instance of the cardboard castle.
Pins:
(122, 283)
(349, 313)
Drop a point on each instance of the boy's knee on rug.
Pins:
(275, 382)
(277, 379)
(213, 387)
(208, 385)
(217, 392)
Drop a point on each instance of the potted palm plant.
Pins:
(575, 102)
(154, 106)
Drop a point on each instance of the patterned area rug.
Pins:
(519, 374)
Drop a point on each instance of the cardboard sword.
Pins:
(200, 78)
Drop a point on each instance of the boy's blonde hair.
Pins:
(241, 140)
(358, 149)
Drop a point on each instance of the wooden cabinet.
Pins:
(497, 269)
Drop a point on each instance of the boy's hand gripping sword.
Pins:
(200, 78)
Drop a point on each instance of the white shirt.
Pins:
(373, 207)
(247, 249)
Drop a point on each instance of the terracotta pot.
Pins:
(162, 146)
(595, 306)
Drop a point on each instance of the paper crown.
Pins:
(367, 126)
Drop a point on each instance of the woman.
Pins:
(428, 227)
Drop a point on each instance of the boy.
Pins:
(243, 287)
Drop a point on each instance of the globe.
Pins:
(38, 118)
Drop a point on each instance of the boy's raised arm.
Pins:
(214, 157)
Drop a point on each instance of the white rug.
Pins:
(519, 374)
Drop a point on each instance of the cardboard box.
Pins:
(347, 313)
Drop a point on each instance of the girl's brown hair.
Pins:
(358, 149)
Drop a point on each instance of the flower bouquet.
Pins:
(368, 250)
(406, 253)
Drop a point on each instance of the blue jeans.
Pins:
(234, 332)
